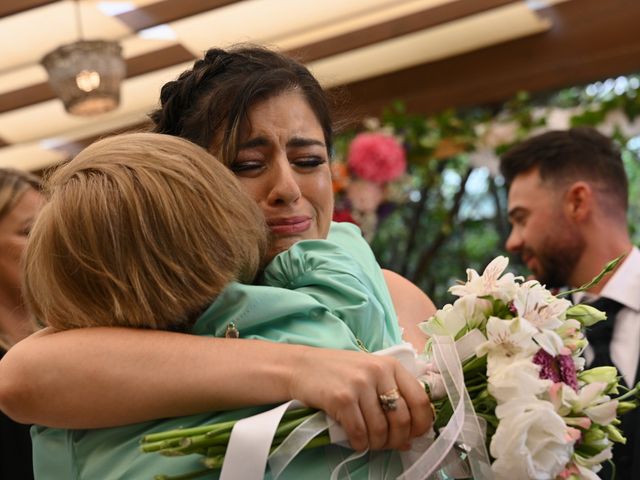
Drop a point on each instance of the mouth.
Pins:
(289, 225)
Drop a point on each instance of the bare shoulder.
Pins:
(412, 306)
(407, 296)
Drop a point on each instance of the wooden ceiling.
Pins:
(431, 53)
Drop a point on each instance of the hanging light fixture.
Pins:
(86, 74)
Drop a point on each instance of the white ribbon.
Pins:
(252, 434)
(471, 434)
(251, 438)
(433, 458)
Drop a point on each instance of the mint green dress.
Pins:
(324, 293)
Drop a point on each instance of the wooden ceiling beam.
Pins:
(168, 11)
(11, 7)
(414, 22)
(590, 40)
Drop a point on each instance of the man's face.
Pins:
(548, 242)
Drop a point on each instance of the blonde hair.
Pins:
(13, 184)
(141, 230)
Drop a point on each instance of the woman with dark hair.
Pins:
(20, 201)
(267, 119)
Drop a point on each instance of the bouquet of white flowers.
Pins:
(504, 367)
(545, 416)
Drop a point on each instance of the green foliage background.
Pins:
(455, 214)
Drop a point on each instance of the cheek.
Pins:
(319, 192)
(11, 253)
(253, 188)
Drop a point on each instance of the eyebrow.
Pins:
(295, 142)
(304, 142)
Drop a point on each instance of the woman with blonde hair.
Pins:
(20, 201)
(118, 244)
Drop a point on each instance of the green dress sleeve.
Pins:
(327, 271)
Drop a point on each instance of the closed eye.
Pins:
(310, 162)
(240, 167)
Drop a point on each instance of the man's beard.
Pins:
(558, 257)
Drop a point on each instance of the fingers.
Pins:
(352, 421)
(417, 401)
(394, 428)
(376, 421)
(399, 420)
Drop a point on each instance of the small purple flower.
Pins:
(568, 371)
(512, 308)
(557, 369)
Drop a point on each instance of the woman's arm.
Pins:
(412, 307)
(100, 377)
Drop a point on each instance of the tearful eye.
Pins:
(309, 162)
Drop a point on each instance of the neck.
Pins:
(15, 322)
(601, 249)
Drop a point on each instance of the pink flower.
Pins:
(376, 157)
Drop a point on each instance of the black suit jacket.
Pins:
(15, 448)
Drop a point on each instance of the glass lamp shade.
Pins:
(86, 75)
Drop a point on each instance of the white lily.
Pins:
(508, 338)
(593, 463)
(466, 313)
(590, 401)
(535, 303)
(490, 282)
(551, 342)
(602, 413)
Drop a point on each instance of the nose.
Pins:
(284, 188)
(514, 242)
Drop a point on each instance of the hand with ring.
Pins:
(377, 401)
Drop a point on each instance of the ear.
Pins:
(579, 201)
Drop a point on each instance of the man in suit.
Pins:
(568, 199)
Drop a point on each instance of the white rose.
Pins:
(531, 441)
(513, 378)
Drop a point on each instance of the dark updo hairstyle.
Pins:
(211, 102)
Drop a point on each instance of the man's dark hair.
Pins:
(562, 156)
(211, 102)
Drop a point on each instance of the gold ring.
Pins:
(433, 410)
(388, 400)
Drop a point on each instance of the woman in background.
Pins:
(20, 202)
